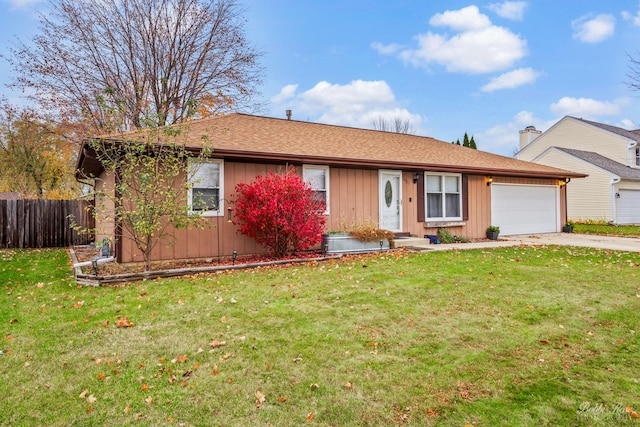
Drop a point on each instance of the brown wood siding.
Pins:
(478, 206)
(353, 199)
(478, 211)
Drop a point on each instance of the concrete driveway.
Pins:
(563, 239)
(584, 240)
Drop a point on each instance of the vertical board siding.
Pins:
(353, 199)
(44, 223)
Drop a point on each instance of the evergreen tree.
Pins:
(465, 140)
(472, 143)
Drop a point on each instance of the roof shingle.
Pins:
(257, 135)
(246, 136)
(623, 171)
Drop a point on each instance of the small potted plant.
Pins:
(492, 232)
(568, 227)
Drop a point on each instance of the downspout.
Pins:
(614, 207)
(631, 155)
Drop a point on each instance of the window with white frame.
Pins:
(637, 156)
(318, 179)
(444, 196)
(205, 185)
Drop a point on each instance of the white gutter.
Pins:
(614, 196)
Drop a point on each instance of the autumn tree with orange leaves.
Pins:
(152, 62)
(36, 160)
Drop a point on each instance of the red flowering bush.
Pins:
(281, 212)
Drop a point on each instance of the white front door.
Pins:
(390, 194)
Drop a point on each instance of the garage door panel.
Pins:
(524, 209)
(629, 207)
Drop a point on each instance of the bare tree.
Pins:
(397, 125)
(633, 74)
(148, 62)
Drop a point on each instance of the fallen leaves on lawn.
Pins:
(310, 416)
(181, 359)
(260, 398)
(124, 322)
(216, 343)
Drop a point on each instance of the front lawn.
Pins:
(606, 229)
(520, 336)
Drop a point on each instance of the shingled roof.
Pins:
(623, 171)
(633, 135)
(242, 136)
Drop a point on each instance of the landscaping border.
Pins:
(96, 280)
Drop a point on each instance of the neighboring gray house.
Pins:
(609, 155)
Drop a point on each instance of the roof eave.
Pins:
(412, 166)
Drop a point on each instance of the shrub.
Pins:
(445, 236)
(369, 232)
(493, 229)
(280, 212)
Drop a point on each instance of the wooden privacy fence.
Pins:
(44, 223)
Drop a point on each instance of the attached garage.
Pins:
(525, 209)
(628, 204)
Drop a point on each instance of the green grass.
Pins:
(519, 336)
(605, 229)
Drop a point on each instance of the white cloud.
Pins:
(21, 4)
(504, 138)
(634, 18)
(356, 104)
(628, 124)
(593, 30)
(477, 47)
(584, 107)
(512, 79)
(513, 10)
(286, 93)
(465, 19)
(386, 49)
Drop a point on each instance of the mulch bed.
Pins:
(112, 272)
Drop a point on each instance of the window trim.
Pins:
(637, 156)
(193, 163)
(460, 194)
(327, 181)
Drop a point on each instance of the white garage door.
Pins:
(525, 209)
(629, 207)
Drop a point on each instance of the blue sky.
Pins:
(486, 68)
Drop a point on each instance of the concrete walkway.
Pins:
(563, 239)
